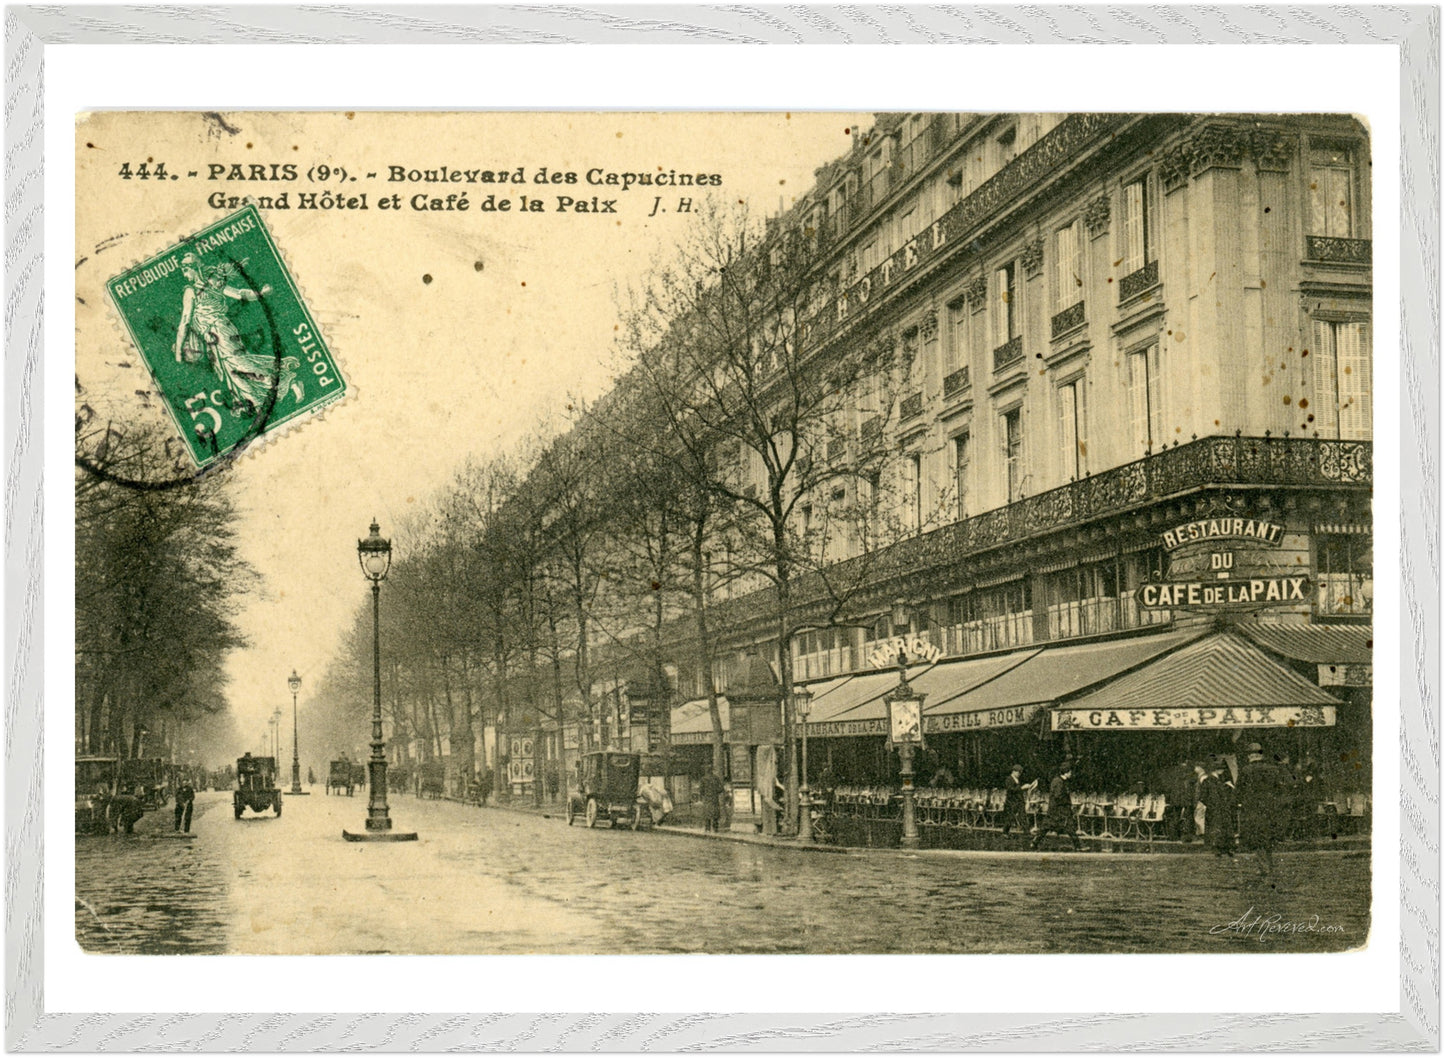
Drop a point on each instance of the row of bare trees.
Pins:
(734, 456)
(157, 575)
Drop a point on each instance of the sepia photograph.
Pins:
(574, 532)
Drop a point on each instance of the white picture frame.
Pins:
(1413, 30)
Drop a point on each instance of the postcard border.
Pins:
(1415, 1026)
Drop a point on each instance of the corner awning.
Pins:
(1220, 681)
(1315, 644)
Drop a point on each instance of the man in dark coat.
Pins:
(1015, 799)
(1262, 793)
(185, 802)
(1060, 818)
(710, 790)
(1216, 794)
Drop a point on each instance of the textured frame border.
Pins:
(1415, 1026)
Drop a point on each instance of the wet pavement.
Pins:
(492, 880)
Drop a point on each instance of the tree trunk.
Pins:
(704, 649)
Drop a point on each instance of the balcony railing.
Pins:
(910, 407)
(1066, 321)
(1139, 281)
(871, 432)
(955, 383)
(1009, 353)
(1337, 251)
(1210, 462)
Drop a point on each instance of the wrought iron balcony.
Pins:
(1337, 251)
(1066, 321)
(1139, 281)
(871, 432)
(955, 383)
(1210, 461)
(910, 407)
(1009, 353)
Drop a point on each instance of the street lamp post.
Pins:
(802, 704)
(294, 682)
(374, 553)
(905, 730)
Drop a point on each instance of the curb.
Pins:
(1355, 846)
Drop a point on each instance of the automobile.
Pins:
(433, 780)
(607, 789)
(340, 777)
(145, 777)
(256, 785)
(97, 781)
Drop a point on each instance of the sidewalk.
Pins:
(1093, 848)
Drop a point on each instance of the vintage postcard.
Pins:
(673, 532)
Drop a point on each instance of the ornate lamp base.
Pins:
(379, 835)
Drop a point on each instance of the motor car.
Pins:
(256, 787)
(145, 777)
(607, 788)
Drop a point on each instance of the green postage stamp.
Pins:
(232, 348)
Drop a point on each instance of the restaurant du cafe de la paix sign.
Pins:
(1222, 589)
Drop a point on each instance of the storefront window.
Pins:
(1344, 569)
(990, 619)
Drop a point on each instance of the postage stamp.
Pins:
(232, 348)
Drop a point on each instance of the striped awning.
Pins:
(1315, 644)
(1220, 681)
(692, 721)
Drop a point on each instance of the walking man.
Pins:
(710, 789)
(185, 802)
(1216, 794)
(1262, 794)
(1060, 817)
(1015, 798)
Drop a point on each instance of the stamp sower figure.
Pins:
(185, 802)
(206, 334)
(1015, 798)
(1262, 793)
(1060, 818)
(710, 790)
(1217, 796)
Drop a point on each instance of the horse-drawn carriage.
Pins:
(433, 781)
(256, 787)
(340, 777)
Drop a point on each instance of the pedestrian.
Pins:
(1060, 817)
(485, 785)
(1216, 794)
(1262, 794)
(710, 790)
(1015, 799)
(185, 802)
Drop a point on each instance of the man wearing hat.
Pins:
(1060, 818)
(1261, 794)
(1216, 794)
(1015, 798)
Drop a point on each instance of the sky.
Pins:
(459, 332)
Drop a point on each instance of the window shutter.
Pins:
(1139, 399)
(1068, 432)
(1352, 359)
(1134, 228)
(1156, 395)
(1326, 384)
